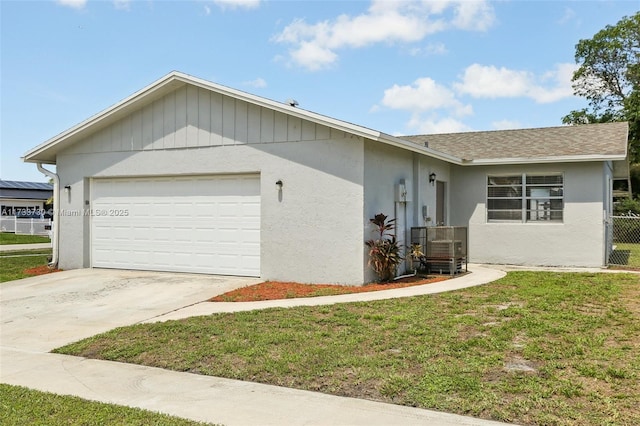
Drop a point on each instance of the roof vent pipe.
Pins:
(56, 214)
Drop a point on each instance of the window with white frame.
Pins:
(525, 198)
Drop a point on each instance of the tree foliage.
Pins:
(608, 76)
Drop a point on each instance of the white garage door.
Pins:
(199, 224)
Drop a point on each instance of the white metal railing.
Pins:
(8, 223)
(23, 226)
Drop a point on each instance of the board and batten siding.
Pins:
(193, 117)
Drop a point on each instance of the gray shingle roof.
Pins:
(565, 141)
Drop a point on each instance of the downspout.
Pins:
(56, 214)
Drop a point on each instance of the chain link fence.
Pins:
(626, 241)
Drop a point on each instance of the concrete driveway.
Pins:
(44, 312)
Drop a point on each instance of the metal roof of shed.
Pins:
(14, 184)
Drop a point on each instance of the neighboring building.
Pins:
(24, 198)
(187, 175)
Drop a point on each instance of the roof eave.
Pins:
(420, 149)
(46, 152)
(538, 160)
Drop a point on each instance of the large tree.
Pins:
(609, 78)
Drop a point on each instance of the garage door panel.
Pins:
(188, 224)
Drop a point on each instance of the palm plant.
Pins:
(384, 252)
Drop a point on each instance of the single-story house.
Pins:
(23, 198)
(187, 175)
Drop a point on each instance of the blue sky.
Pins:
(400, 67)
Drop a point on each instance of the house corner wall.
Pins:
(578, 241)
(385, 167)
(311, 231)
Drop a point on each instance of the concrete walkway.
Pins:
(24, 362)
(21, 247)
(480, 275)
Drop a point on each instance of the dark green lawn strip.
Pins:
(11, 238)
(577, 332)
(12, 267)
(22, 406)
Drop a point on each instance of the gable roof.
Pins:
(596, 142)
(47, 151)
(566, 143)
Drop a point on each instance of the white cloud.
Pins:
(569, 14)
(506, 125)
(122, 4)
(314, 46)
(435, 124)
(474, 15)
(207, 10)
(429, 49)
(424, 95)
(437, 108)
(76, 4)
(426, 99)
(560, 79)
(313, 56)
(257, 83)
(237, 4)
(481, 81)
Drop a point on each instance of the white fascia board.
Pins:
(537, 160)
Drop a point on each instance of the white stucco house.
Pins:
(191, 176)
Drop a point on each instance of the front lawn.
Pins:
(11, 238)
(22, 406)
(14, 264)
(531, 348)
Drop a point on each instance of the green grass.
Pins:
(22, 406)
(626, 254)
(12, 267)
(577, 333)
(10, 238)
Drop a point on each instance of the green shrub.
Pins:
(626, 206)
(626, 230)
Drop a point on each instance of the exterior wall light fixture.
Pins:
(279, 185)
(432, 178)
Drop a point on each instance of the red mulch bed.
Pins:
(40, 270)
(271, 290)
